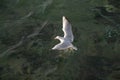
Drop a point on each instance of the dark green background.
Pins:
(96, 32)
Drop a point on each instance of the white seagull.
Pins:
(66, 41)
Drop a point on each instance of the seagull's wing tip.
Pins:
(64, 17)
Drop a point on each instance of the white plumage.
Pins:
(66, 41)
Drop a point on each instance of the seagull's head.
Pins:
(57, 37)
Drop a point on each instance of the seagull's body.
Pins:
(66, 41)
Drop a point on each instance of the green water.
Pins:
(33, 59)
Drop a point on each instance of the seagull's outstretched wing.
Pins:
(67, 30)
(60, 46)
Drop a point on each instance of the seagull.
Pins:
(66, 41)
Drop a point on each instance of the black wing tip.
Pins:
(65, 18)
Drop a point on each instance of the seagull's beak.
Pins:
(55, 38)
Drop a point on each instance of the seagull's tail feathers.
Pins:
(75, 48)
(72, 46)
